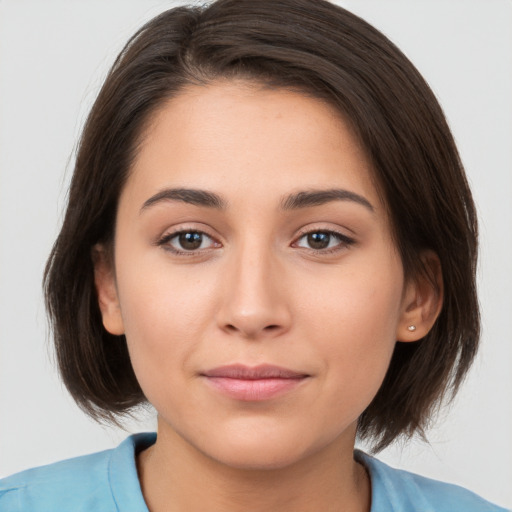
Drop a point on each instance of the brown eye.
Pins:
(326, 241)
(187, 241)
(190, 241)
(319, 240)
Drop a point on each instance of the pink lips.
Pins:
(256, 383)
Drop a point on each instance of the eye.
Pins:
(187, 241)
(323, 241)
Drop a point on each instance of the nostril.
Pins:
(234, 329)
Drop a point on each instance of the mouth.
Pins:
(253, 384)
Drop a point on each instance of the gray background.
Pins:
(53, 57)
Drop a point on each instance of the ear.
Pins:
(106, 289)
(422, 300)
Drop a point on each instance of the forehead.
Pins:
(245, 140)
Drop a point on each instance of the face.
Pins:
(255, 278)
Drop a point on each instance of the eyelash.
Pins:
(166, 239)
(344, 242)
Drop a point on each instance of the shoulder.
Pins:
(59, 485)
(92, 482)
(401, 491)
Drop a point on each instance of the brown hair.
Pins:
(325, 51)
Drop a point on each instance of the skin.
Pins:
(256, 292)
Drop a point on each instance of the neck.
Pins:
(175, 477)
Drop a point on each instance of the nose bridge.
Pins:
(254, 304)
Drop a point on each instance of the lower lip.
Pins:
(255, 390)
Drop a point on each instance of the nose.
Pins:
(254, 304)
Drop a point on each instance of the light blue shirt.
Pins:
(107, 482)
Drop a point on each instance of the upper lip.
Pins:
(263, 371)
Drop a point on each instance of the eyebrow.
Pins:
(303, 199)
(186, 195)
(318, 197)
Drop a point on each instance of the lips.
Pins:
(257, 383)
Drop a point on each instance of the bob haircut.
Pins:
(321, 50)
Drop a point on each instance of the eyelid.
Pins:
(345, 241)
(163, 240)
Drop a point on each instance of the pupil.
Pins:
(318, 240)
(190, 241)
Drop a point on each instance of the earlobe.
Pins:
(422, 300)
(106, 290)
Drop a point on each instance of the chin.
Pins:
(261, 450)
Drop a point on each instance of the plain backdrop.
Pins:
(53, 57)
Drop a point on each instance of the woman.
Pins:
(266, 199)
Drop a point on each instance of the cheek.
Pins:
(354, 323)
(363, 304)
(164, 314)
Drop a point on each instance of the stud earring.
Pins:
(411, 328)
